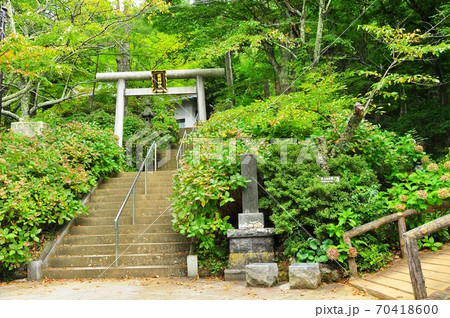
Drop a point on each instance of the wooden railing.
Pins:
(412, 252)
(408, 242)
(399, 217)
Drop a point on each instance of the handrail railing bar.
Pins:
(412, 252)
(125, 201)
(181, 149)
(399, 217)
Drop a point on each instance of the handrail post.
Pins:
(156, 162)
(145, 176)
(401, 231)
(134, 202)
(415, 268)
(116, 226)
(351, 260)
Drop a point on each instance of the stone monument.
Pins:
(251, 242)
(28, 128)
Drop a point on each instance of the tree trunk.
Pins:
(229, 74)
(353, 123)
(302, 23)
(266, 89)
(284, 73)
(323, 8)
(11, 23)
(24, 102)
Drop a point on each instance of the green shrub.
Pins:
(388, 154)
(42, 180)
(203, 184)
(304, 207)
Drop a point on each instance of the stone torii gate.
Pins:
(122, 77)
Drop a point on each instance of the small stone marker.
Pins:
(304, 276)
(192, 266)
(34, 270)
(261, 274)
(330, 180)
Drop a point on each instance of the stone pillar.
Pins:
(250, 217)
(120, 110)
(201, 100)
(251, 242)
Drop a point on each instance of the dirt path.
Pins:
(168, 288)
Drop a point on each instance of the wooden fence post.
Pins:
(415, 268)
(401, 231)
(351, 260)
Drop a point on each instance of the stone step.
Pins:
(150, 178)
(124, 229)
(128, 211)
(115, 272)
(150, 247)
(116, 204)
(124, 219)
(139, 190)
(139, 212)
(120, 198)
(71, 239)
(129, 180)
(124, 260)
(136, 248)
(124, 174)
(125, 186)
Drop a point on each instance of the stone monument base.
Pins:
(248, 246)
(28, 128)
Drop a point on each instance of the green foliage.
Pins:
(202, 185)
(430, 243)
(388, 154)
(316, 251)
(372, 257)
(422, 188)
(212, 262)
(324, 210)
(42, 180)
(135, 129)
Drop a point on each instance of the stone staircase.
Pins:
(150, 247)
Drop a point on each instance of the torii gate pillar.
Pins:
(122, 91)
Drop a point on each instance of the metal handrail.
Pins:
(181, 149)
(132, 191)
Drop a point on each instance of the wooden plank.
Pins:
(380, 291)
(435, 267)
(190, 90)
(429, 281)
(395, 282)
(391, 283)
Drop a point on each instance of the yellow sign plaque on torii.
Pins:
(159, 81)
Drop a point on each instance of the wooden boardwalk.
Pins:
(395, 282)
